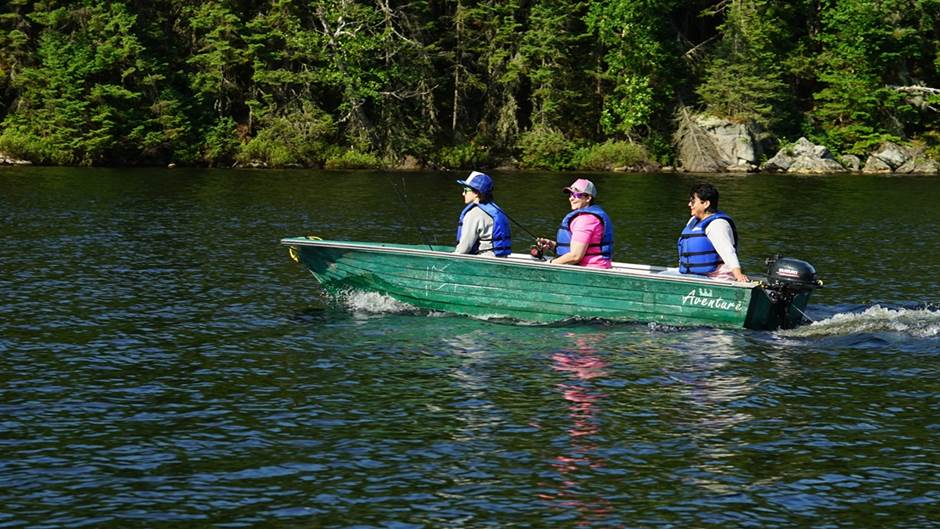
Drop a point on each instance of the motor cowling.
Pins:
(789, 274)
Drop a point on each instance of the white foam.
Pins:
(918, 323)
(374, 303)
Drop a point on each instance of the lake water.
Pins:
(163, 363)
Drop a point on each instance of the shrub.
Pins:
(931, 142)
(465, 156)
(353, 159)
(297, 138)
(545, 148)
(221, 143)
(611, 155)
(23, 144)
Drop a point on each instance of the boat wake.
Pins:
(374, 303)
(877, 319)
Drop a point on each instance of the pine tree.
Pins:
(15, 30)
(558, 55)
(744, 78)
(867, 49)
(217, 71)
(82, 100)
(640, 67)
(487, 72)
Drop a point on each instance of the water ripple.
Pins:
(164, 364)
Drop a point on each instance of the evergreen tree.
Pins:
(82, 102)
(217, 71)
(408, 118)
(499, 51)
(168, 128)
(867, 50)
(640, 67)
(285, 124)
(744, 78)
(464, 78)
(558, 55)
(15, 54)
(455, 81)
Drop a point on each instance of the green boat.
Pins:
(523, 288)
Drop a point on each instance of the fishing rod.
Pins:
(404, 201)
(517, 223)
(537, 249)
(402, 195)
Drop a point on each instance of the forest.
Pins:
(546, 84)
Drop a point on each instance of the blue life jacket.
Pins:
(502, 239)
(697, 254)
(605, 247)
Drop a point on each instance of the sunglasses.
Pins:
(467, 190)
(579, 195)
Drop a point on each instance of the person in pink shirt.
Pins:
(586, 234)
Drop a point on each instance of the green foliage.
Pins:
(545, 148)
(83, 98)
(165, 134)
(349, 36)
(640, 64)
(930, 140)
(744, 76)
(22, 142)
(866, 51)
(218, 55)
(350, 82)
(220, 143)
(300, 138)
(553, 50)
(353, 159)
(611, 155)
(487, 71)
(14, 47)
(464, 156)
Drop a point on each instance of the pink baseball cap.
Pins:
(582, 185)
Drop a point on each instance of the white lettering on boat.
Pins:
(704, 298)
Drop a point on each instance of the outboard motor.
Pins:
(787, 273)
(787, 278)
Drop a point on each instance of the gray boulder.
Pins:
(893, 158)
(851, 162)
(919, 163)
(710, 144)
(892, 154)
(803, 157)
(9, 160)
(733, 141)
(875, 164)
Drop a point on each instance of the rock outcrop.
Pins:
(851, 162)
(803, 157)
(893, 158)
(9, 160)
(710, 144)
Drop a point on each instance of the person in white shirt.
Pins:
(708, 244)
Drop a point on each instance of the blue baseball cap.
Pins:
(479, 182)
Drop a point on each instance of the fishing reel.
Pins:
(537, 250)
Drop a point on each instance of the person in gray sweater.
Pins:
(483, 228)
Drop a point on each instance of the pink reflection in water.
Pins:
(583, 365)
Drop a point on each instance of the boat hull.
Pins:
(524, 289)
